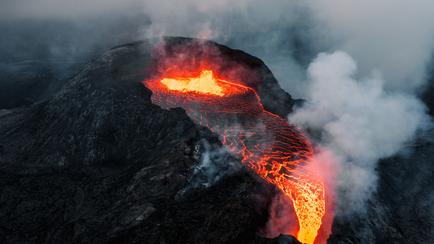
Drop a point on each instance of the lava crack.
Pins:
(265, 143)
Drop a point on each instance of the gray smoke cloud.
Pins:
(359, 121)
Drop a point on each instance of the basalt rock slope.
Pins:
(97, 162)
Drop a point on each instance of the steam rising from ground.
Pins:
(358, 121)
(215, 163)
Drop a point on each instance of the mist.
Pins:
(393, 37)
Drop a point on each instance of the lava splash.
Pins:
(265, 143)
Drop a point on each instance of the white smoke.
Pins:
(214, 164)
(359, 121)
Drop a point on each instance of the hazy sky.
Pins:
(394, 38)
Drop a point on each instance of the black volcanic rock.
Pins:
(99, 163)
(401, 210)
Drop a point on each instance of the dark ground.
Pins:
(90, 159)
(98, 162)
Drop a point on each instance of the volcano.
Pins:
(108, 159)
(225, 99)
(99, 162)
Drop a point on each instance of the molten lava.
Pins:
(264, 142)
(205, 83)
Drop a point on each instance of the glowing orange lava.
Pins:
(265, 143)
(205, 83)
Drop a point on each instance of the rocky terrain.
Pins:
(97, 162)
(94, 161)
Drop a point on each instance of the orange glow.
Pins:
(264, 142)
(205, 83)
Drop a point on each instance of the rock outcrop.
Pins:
(97, 162)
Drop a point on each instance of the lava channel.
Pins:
(265, 143)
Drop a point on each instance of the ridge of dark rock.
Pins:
(97, 162)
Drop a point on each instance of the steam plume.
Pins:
(358, 121)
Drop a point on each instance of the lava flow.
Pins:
(264, 142)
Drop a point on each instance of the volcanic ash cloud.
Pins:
(358, 121)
